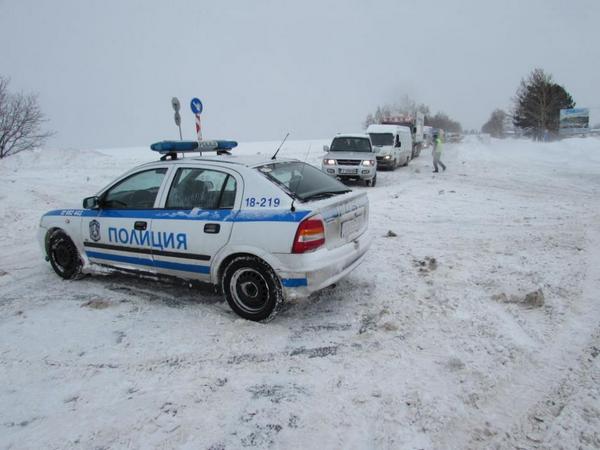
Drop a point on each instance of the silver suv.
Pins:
(351, 157)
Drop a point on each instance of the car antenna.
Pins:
(293, 208)
(280, 145)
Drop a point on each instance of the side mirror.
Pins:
(326, 148)
(398, 144)
(91, 202)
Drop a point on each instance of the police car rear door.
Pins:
(120, 234)
(196, 220)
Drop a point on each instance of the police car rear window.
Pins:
(201, 188)
(301, 180)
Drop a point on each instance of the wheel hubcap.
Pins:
(249, 290)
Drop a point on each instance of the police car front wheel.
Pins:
(252, 289)
(63, 255)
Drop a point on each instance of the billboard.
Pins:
(574, 121)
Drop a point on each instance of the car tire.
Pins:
(371, 182)
(252, 289)
(63, 255)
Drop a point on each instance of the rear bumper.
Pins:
(304, 274)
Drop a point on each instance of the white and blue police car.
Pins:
(260, 229)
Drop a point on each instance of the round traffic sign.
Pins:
(196, 105)
(175, 104)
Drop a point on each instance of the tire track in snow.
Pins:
(511, 405)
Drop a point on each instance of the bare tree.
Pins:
(21, 122)
(407, 106)
(495, 125)
(443, 121)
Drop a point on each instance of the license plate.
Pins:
(349, 171)
(351, 226)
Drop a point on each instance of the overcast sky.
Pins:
(105, 71)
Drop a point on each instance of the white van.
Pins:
(392, 145)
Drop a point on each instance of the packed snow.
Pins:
(474, 321)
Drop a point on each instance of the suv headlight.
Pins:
(387, 157)
(368, 163)
(329, 162)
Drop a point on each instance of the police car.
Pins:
(259, 229)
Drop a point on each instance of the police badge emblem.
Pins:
(95, 230)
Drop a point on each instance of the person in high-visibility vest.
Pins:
(437, 153)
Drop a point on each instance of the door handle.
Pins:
(212, 228)
(140, 225)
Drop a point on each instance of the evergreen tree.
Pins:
(538, 103)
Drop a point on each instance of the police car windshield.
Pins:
(302, 180)
(350, 144)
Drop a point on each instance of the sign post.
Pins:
(196, 106)
(176, 106)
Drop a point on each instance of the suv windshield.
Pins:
(350, 144)
(382, 139)
(302, 180)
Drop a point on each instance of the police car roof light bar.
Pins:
(171, 148)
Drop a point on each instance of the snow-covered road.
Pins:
(428, 345)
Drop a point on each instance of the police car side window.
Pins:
(228, 195)
(137, 191)
(201, 188)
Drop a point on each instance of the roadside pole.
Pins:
(196, 106)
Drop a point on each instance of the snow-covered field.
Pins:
(428, 345)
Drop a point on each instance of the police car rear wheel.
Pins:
(63, 255)
(252, 289)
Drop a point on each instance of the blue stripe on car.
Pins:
(286, 282)
(268, 215)
(150, 263)
(294, 282)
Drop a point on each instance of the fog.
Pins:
(105, 71)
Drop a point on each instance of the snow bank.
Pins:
(427, 345)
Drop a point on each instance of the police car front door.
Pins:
(120, 234)
(196, 221)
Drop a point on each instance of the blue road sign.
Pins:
(196, 105)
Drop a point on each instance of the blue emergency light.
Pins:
(167, 147)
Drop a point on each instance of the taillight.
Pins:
(310, 236)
